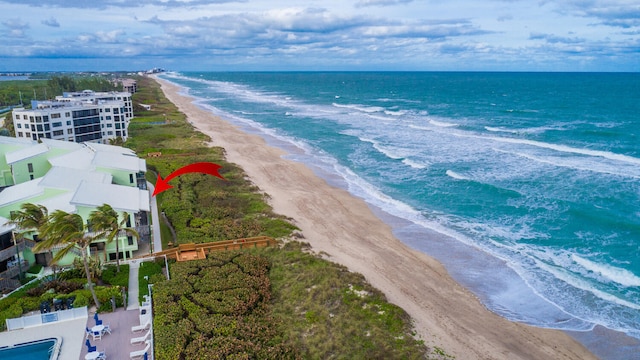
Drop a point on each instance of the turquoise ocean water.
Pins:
(525, 185)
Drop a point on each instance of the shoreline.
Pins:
(347, 231)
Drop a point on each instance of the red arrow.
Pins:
(201, 167)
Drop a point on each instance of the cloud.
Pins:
(553, 39)
(15, 28)
(624, 14)
(51, 22)
(365, 3)
(103, 4)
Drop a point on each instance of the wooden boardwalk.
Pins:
(186, 252)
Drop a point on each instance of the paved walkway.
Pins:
(155, 221)
(132, 295)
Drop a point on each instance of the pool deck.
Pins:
(116, 345)
(71, 332)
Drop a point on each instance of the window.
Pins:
(55, 116)
(69, 131)
(31, 176)
(19, 134)
(30, 167)
(131, 178)
(107, 110)
(116, 111)
(19, 126)
(58, 132)
(109, 125)
(38, 119)
(67, 114)
(56, 124)
(39, 127)
(68, 122)
(46, 127)
(108, 117)
(117, 125)
(45, 118)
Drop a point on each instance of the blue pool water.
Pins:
(37, 350)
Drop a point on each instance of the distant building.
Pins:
(128, 85)
(78, 117)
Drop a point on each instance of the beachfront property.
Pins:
(76, 116)
(128, 85)
(73, 177)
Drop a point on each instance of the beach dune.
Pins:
(344, 228)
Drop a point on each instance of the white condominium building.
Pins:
(78, 117)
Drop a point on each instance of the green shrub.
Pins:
(29, 303)
(35, 269)
(13, 311)
(81, 300)
(112, 277)
(105, 294)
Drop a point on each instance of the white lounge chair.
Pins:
(141, 327)
(140, 353)
(141, 339)
(106, 329)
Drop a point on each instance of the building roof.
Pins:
(69, 179)
(61, 144)
(121, 198)
(113, 160)
(21, 192)
(16, 141)
(60, 202)
(26, 153)
(97, 147)
(79, 159)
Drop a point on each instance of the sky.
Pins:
(314, 35)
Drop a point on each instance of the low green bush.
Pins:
(112, 277)
(81, 300)
(35, 269)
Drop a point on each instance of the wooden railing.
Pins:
(206, 248)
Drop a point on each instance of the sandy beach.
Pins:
(346, 231)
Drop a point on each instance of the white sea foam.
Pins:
(414, 164)
(581, 284)
(442, 123)
(499, 129)
(455, 175)
(395, 113)
(359, 107)
(618, 275)
(581, 163)
(556, 147)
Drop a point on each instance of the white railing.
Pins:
(55, 316)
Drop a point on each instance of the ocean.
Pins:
(526, 186)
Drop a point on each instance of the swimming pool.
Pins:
(45, 349)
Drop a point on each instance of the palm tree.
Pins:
(69, 231)
(105, 220)
(30, 217)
